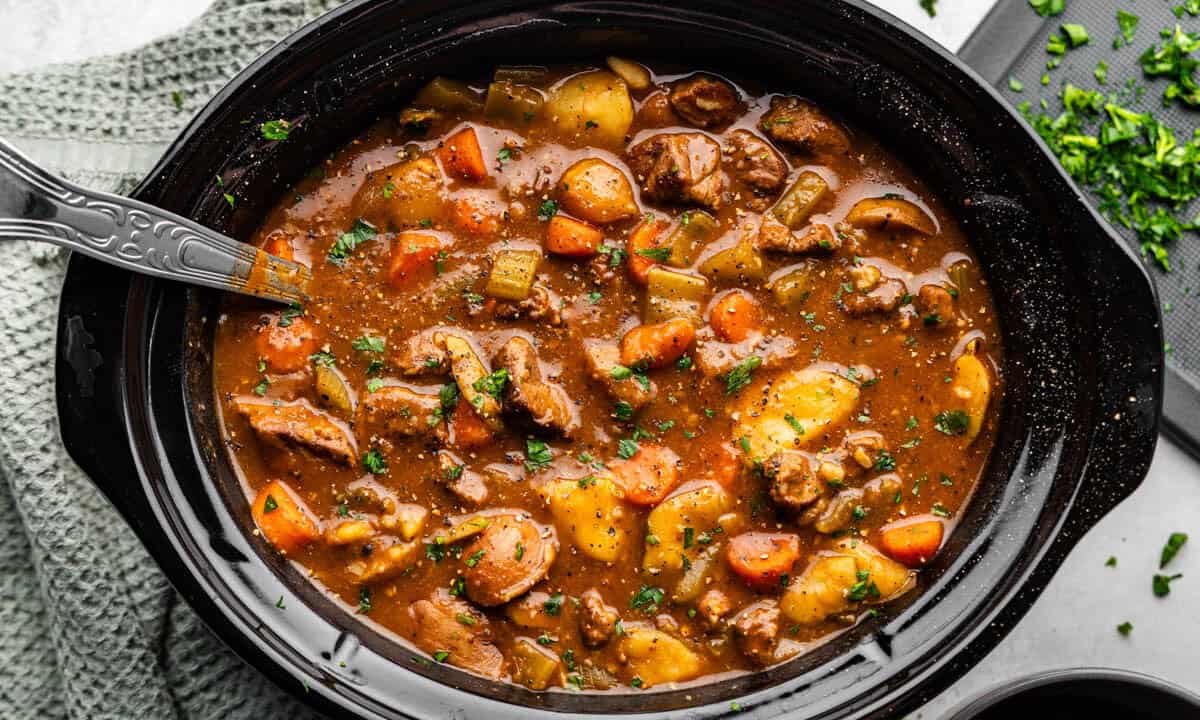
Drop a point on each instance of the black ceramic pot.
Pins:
(1079, 317)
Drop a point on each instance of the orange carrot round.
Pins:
(571, 237)
(649, 475)
(646, 247)
(283, 519)
(735, 316)
(762, 559)
(467, 429)
(912, 541)
(414, 257)
(461, 156)
(280, 246)
(473, 219)
(284, 345)
(657, 345)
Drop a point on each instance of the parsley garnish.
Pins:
(1047, 8)
(547, 210)
(359, 233)
(269, 505)
(537, 455)
(369, 344)
(656, 254)
(553, 604)
(739, 376)
(492, 384)
(374, 463)
(364, 600)
(951, 422)
(1162, 584)
(1174, 543)
(276, 129)
(647, 599)
(884, 461)
(627, 448)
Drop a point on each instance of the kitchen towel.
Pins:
(89, 627)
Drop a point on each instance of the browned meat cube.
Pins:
(804, 126)
(603, 357)
(756, 628)
(935, 304)
(547, 403)
(705, 101)
(299, 425)
(752, 161)
(883, 298)
(467, 485)
(542, 304)
(596, 619)
(713, 606)
(794, 481)
(420, 356)
(715, 358)
(813, 239)
(437, 628)
(679, 168)
(400, 412)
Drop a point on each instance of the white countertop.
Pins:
(1074, 622)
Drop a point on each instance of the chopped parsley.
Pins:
(374, 384)
(374, 463)
(1128, 23)
(864, 587)
(441, 656)
(269, 505)
(364, 600)
(1161, 584)
(1111, 561)
(1048, 8)
(465, 619)
(359, 233)
(1125, 628)
(627, 448)
(951, 422)
(647, 599)
(474, 559)
(739, 377)
(622, 410)
(930, 7)
(547, 210)
(504, 154)
(884, 462)
(616, 255)
(553, 605)
(1174, 543)
(537, 455)
(369, 344)
(323, 357)
(794, 423)
(1174, 61)
(492, 384)
(276, 129)
(658, 254)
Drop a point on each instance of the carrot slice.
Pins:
(282, 518)
(286, 344)
(657, 345)
(649, 475)
(762, 559)
(735, 317)
(414, 257)
(721, 462)
(912, 541)
(280, 246)
(467, 429)
(461, 156)
(471, 218)
(646, 247)
(571, 237)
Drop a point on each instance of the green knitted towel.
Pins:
(89, 628)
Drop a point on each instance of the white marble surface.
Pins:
(1072, 624)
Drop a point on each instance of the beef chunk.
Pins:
(542, 304)
(815, 238)
(298, 425)
(794, 482)
(705, 101)
(752, 161)
(679, 168)
(420, 356)
(756, 628)
(546, 402)
(437, 628)
(935, 304)
(466, 484)
(715, 358)
(804, 126)
(596, 619)
(883, 297)
(864, 447)
(713, 606)
(401, 412)
(603, 356)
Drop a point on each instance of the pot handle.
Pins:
(88, 378)
(1128, 384)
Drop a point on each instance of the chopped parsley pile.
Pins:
(1145, 173)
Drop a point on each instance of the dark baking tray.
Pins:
(1011, 42)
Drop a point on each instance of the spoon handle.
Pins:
(35, 205)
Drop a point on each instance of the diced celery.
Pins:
(512, 273)
(512, 103)
(800, 199)
(736, 264)
(694, 230)
(671, 294)
(446, 94)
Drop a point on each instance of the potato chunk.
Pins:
(890, 577)
(972, 387)
(595, 191)
(694, 509)
(890, 214)
(592, 107)
(402, 195)
(469, 371)
(656, 657)
(813, 399)
(821, 590)
(590, 512)
(535, 667)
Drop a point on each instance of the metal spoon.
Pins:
(35, 205)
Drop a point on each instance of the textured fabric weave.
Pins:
(89, 627)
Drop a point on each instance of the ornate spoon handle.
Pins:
(35, 205)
